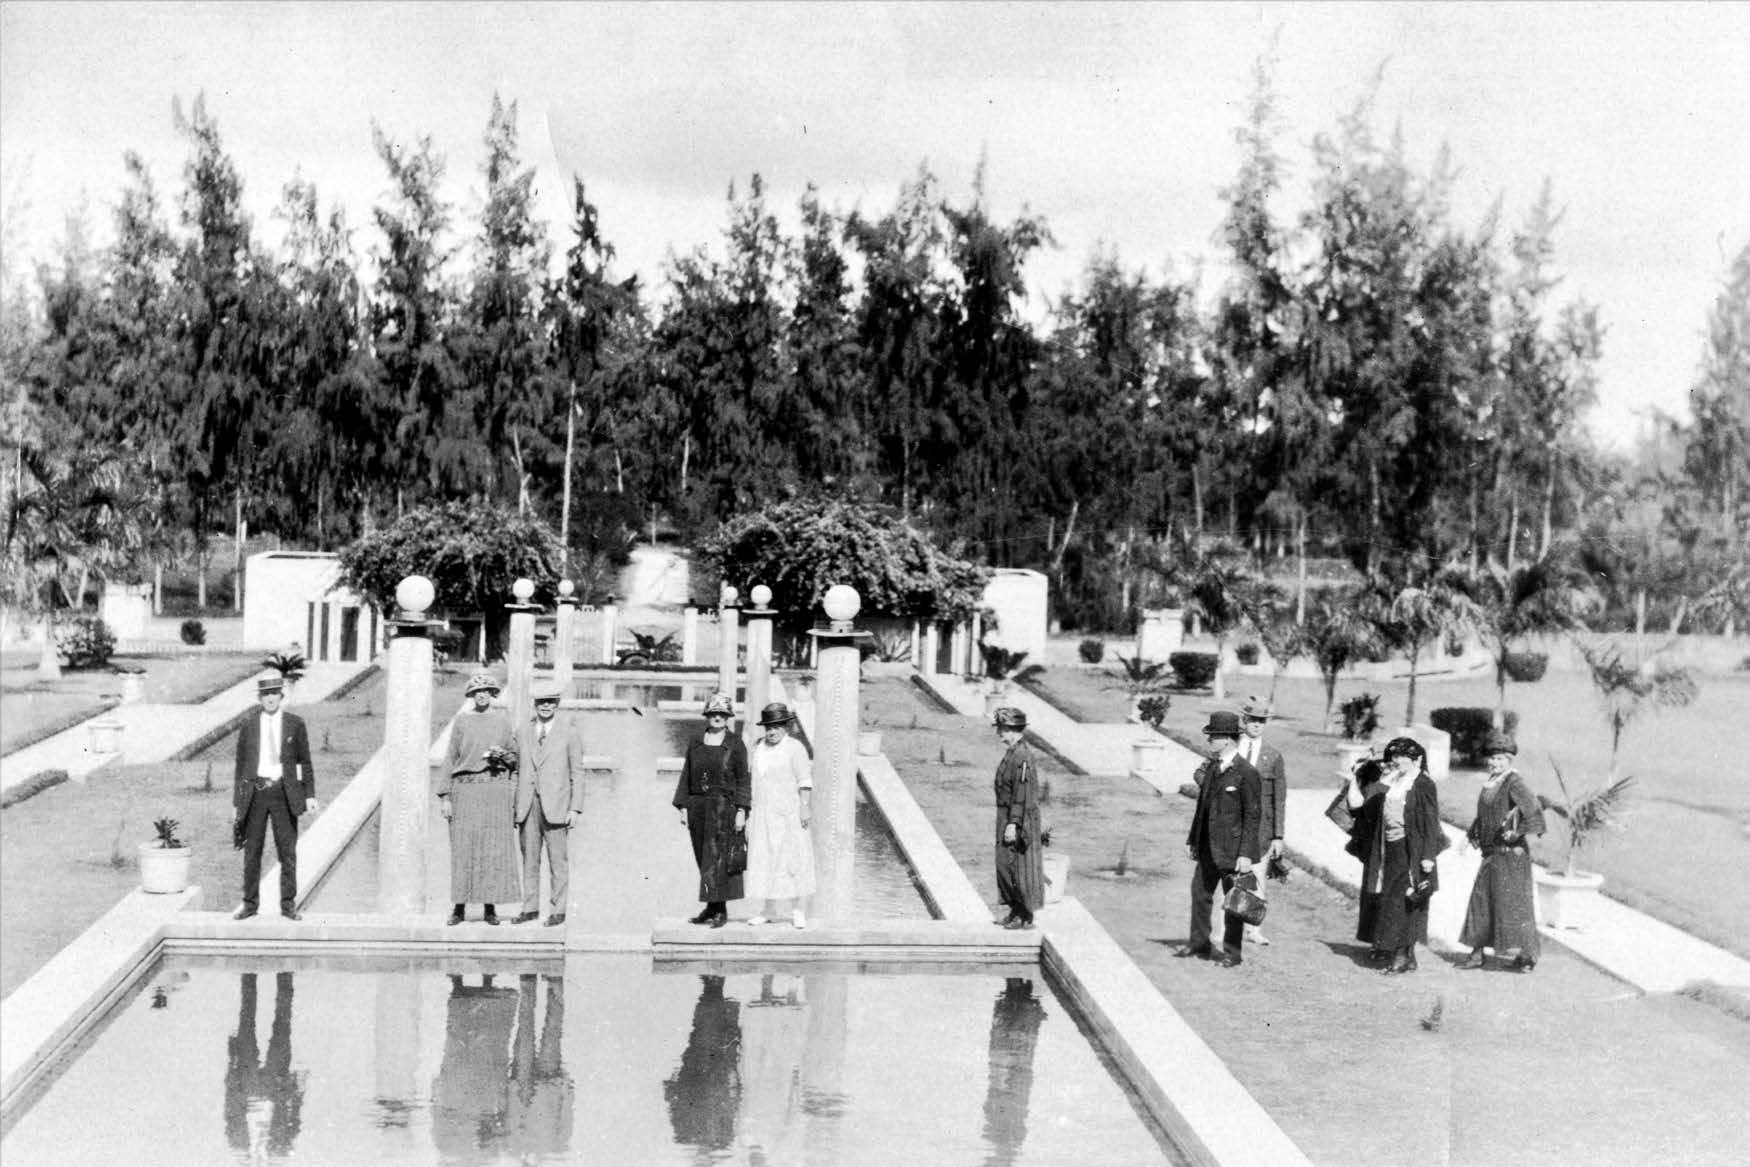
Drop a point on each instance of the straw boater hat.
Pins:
(1223, 725)
(777, 713)
(1499, 742)
(1256, 707)
(479, 681)
(718, 703)
(543, 693)
(273, 684)
(1008, 717)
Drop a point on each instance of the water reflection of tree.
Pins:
(542, 1096)
(1014, 1032)
(250, 1080)
(774, 1030)
(471, 1097)
(704, 1093)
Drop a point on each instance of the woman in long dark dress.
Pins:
(1020, 859)
(476, 791)
(1396, 836)
(1501, 913)
(714, 794)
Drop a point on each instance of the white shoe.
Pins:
(1256, 936)
(756, 921)
(798, 919)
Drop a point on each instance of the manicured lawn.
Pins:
(31, 710)
(1690, 815)
(1519, 1069)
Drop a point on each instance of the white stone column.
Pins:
(406, 809)
(519, 653)
(837, 704)
(932, 647)
(690, 636)
(728, 643)
(565, 636)
(610, 634)
(759, 659)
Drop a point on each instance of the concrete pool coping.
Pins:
(1211, 1117)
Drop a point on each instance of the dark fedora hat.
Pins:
(1008, 717)
(777, 713)
(1499, 742)
(1223, 724)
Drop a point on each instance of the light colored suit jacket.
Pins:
(553, 768)
(1273, 779)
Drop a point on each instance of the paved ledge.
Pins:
(1187, 1089)
(74, 990)
(876, 941)
(360, 932)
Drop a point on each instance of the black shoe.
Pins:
(1474, 960)
(704, 917)
(718, 920)
(1189, 950)
(491, 917)
(1400, 964)
(1523, 964)
(292, 914)
(1228, 960)
(556, 919)
(243, 913)
(525, 917)
(1016, 923)
(455, 918)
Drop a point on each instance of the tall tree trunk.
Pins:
(1373, 517)
(1476, 534)
(686, 459)
(1640, 624)
(158, 587)
(1549, 506)
(1512, 525)
(1300, 569)
(1069, 529)
(1197, 500)
(242, 530)
(1677, 619)
(1410, 706)
(565, 479)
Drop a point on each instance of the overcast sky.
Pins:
(1114, 122)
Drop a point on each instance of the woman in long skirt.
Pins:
(1396, 836)
(713, 795)
(1502, 915)
(780, 851)
(1020, 859)
(477, 793)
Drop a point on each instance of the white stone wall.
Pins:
(279, 586)
(1018, 596)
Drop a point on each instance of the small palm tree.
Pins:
(1418, 616)
(289, 665)
(1628, 690)
(1598, 810)
(1530, 600)
(166, 831)
(1340, 631)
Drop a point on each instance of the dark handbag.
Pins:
(1421, 890)
(238, 833)
(1277, 868)
(738, 853)
(1339, 812)
(1245, 902)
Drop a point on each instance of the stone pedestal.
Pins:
(1161, 635)
(406, 810)
(519, 661)
(759, 668)
(690, 636)
(837, 704)
(564, 643)
(728, 643)
(610, 634)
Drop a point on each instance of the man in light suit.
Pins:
(275, 783)
(549, 796)
(1224, 836)
(1273, 782)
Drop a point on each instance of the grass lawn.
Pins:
(31, 710)
(1690, 797)
(1518, 1069)
(68, 854)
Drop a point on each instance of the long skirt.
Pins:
(711, 825)
(780, 855)
(1502, 915)
(1387, 920)
(483, 844)
(1021, 873)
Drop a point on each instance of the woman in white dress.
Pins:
(780, 851)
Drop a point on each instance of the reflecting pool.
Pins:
(592, 1059)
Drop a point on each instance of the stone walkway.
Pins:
(148, 733)
(1647, 953)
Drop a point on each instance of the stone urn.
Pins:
(1566, 901)
(869, 743)
(164, 870)
(1056, 864)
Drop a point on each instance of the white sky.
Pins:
(1115, 122)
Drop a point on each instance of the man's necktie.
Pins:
(271, 747)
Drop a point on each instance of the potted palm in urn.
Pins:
(1056, 865)
(1564, 897)
(165, 861)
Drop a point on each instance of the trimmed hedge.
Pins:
(35, 784)
(1469, 727)
(86, 642)
(1194, 670)
(1093, 651)
(1360, 715)
(1247, 653)
(1525, 666)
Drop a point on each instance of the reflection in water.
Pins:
(1014, 1032)
(704, 1092)
(774, 1029)
(471, 1097)
(542, 1096)
(264, 1100)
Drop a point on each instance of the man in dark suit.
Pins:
(1273, 778)
(274, 783)
(1224, 835)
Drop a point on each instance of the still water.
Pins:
(595, 1059)
(631, 861)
